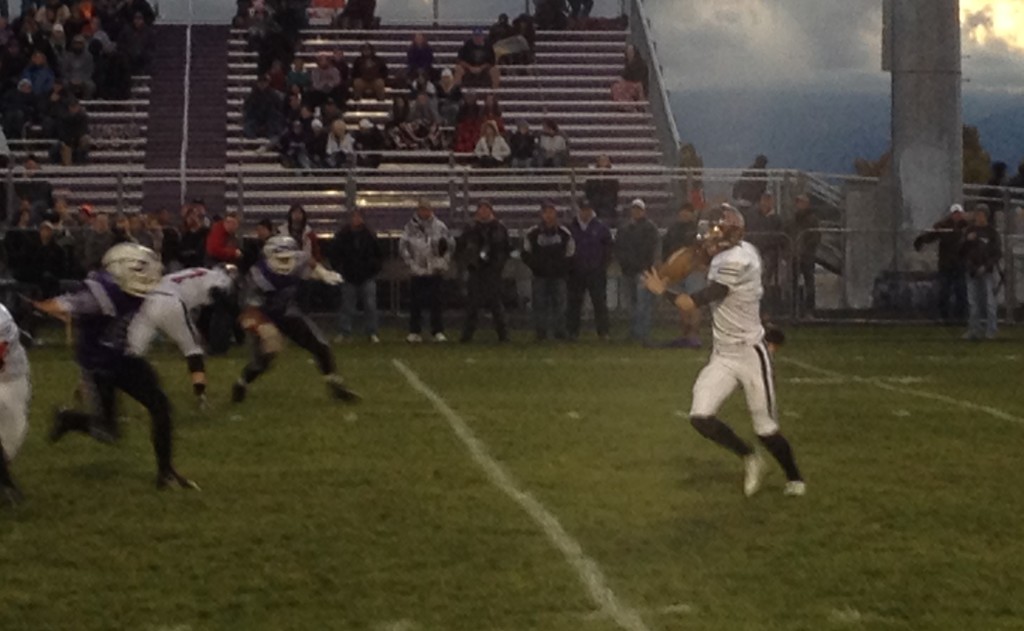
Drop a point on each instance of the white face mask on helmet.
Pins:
(282, 254)
(135, 268)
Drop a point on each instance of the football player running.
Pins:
(15, 391)
(169, 308)
(272, 311)
(742, 352)
(102, 311)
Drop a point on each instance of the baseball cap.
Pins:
(317, 124)
(956, 208)
(365, 124)
(447, 72)
(478, 31)
(638, 203)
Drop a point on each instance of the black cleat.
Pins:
(172, 479)
(10, 495)
(340, 391)
(59, 427)
(238, 392)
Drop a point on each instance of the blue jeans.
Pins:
(549, 301)
(981, 298)
(350, 292)
(641, 302)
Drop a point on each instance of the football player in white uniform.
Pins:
(14, 395)
(742, 353)
(169, 309)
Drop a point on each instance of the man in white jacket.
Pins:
(427, 249)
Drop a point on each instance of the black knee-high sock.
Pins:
(716, 431)
(256, 367)
(5, 474)
(162, 433)
(778, 446)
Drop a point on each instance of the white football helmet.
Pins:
(135, 268)
(282, 254)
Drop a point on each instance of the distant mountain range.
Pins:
(822, 130)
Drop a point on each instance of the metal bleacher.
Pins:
(112, 177)
(569, 83)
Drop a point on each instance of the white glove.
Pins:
(326, 276)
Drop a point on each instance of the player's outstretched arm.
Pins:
(658, 285)
(53, 307)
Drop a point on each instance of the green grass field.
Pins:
(316, 515)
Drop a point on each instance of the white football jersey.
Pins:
(16, 360)
(193, 285)
(736, 319)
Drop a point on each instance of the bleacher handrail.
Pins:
(661, 108)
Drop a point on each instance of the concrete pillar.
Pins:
(923, 54)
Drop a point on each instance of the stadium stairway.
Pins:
(163, 139)
(569, 83)
(207, 138)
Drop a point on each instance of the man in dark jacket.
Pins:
(357, 255)
(484, 249)
(548, 249)
(949, 232)
(682, 233)
(589, 272)
(72, 136)
(637, 249)
(192, 244)
(752, 184)
(981, 251)
(602, 189)
(807, 239)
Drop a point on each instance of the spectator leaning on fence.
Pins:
(981, 251)
(548, 249)
(357, 255)
(636, 247)
(589, 273)
(483, 249)
(427, 248)
(952, 276)
(807, 238)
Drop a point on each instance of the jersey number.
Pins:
(181, 278)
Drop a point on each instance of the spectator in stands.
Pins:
(548, 249)
(421, 83)
(293, 109)
(483, 249)
(509, 41)
(752, 185)
(589, 270)
(252, 248)
(192, 245)
(491, 150)
(426, 247)
(51, 15)
(949, 232)
(358, 256)
(580, 8)
(299, 76)
(419, 57)
(133, 8)
(449, 98)
(369, 143)
(122, 229)
(170, 240)
(277, 77)
(98, 39)
(39, 74)
(221, 242)
(682, 233)
(423, 125)
(145, 231)
(807, 239)
(468, 125)
(73, 140)
(137, 43)
(113, 75)
(77, 66)
(500, 30)
(298, 228)
(550, 15)
(33, 189)
(553, 149)
(602, 189)
(475, 64)
(981, 252)
(358, 15)
(637, 250)
(340, 145)
(632, 84)
(317, 145)
(58, 43)
(522, 146)
(395, 129)
(21, 108)
(491, 111)
(369, 75)
(326, 81)
(338, 59)
(294, 146)
(95, 241)
(765, 231)
(261, 112)
(53, 108)
(330, 113)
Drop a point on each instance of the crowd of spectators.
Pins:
(59, 52)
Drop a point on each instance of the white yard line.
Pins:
(880, 383)
(587, 569)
